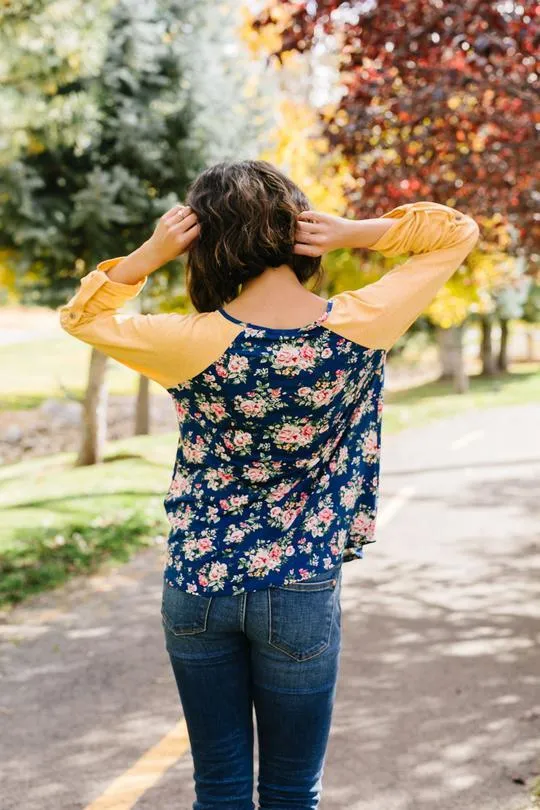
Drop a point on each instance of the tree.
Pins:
(438, 102)
(133, 135)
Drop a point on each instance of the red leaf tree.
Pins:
(439, 100)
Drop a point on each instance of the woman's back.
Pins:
(277, 464)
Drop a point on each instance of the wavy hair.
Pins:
(247, 214)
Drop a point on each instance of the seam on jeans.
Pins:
(323, 585)
(207, 611)
(243, 614)
(269, 615)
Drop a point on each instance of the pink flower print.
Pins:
(242, 438)
(289, 551)
(322, 397)
(238, 500)
(275, 393)
(252, 407)
(291, 434)
(348, 497)
(221, 371)
(217, 572)
(256, 473)
(218, 410)
(275, 552)
(203, 581)
(237, 364)
(363, 525)
(327, 515)
(236, 535)
(204, 545)
(265, 560)
(326, 353)
(369, 448)
(279, 492)
(288, 516)
(181, 410)
(304, 391)
(287, 356)
(194, 451)
(191, 588)
(307, 433)
(180, 485)
(308, 354)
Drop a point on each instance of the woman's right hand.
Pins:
(318, 233)
(175, 231)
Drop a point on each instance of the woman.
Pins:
(278, 394)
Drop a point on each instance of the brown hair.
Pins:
(247, 214)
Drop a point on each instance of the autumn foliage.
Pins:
(439, 101)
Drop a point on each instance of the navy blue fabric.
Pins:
(277, 469)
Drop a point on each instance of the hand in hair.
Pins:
(318, 233)
(174, 233)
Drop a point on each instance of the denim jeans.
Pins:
(273, 652)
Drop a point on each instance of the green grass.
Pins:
(437, 400)
(43, 558)
(59, 520)
(52, 492)
(32, 372)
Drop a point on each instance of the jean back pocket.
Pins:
(301, 614)
(182, 613)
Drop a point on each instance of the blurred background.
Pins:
(109, 109)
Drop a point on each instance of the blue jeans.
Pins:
(275, 651)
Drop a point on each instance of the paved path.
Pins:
(438, 701)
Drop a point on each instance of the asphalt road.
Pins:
(438, 702)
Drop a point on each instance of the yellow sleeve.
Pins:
(169, 348)
(440, 238)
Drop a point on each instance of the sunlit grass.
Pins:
(437, 400)
(51, 491)
(34, 371)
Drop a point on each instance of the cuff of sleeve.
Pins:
(98, 293)
(125, 291)
(421, 227)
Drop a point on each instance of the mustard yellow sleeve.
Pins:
(440, 238)
(167, 347)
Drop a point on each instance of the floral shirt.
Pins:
(276, 475)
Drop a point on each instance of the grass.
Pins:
(437, 400)
(59, 520)
(43, 558)
(33, 372)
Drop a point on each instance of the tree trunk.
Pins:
(487, 355)
(503, 348)
(451, 345)
(142, 407)
(445, 355)
(94, 416)
(531, 341)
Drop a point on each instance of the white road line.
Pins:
(394, 505)
(467, 439)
